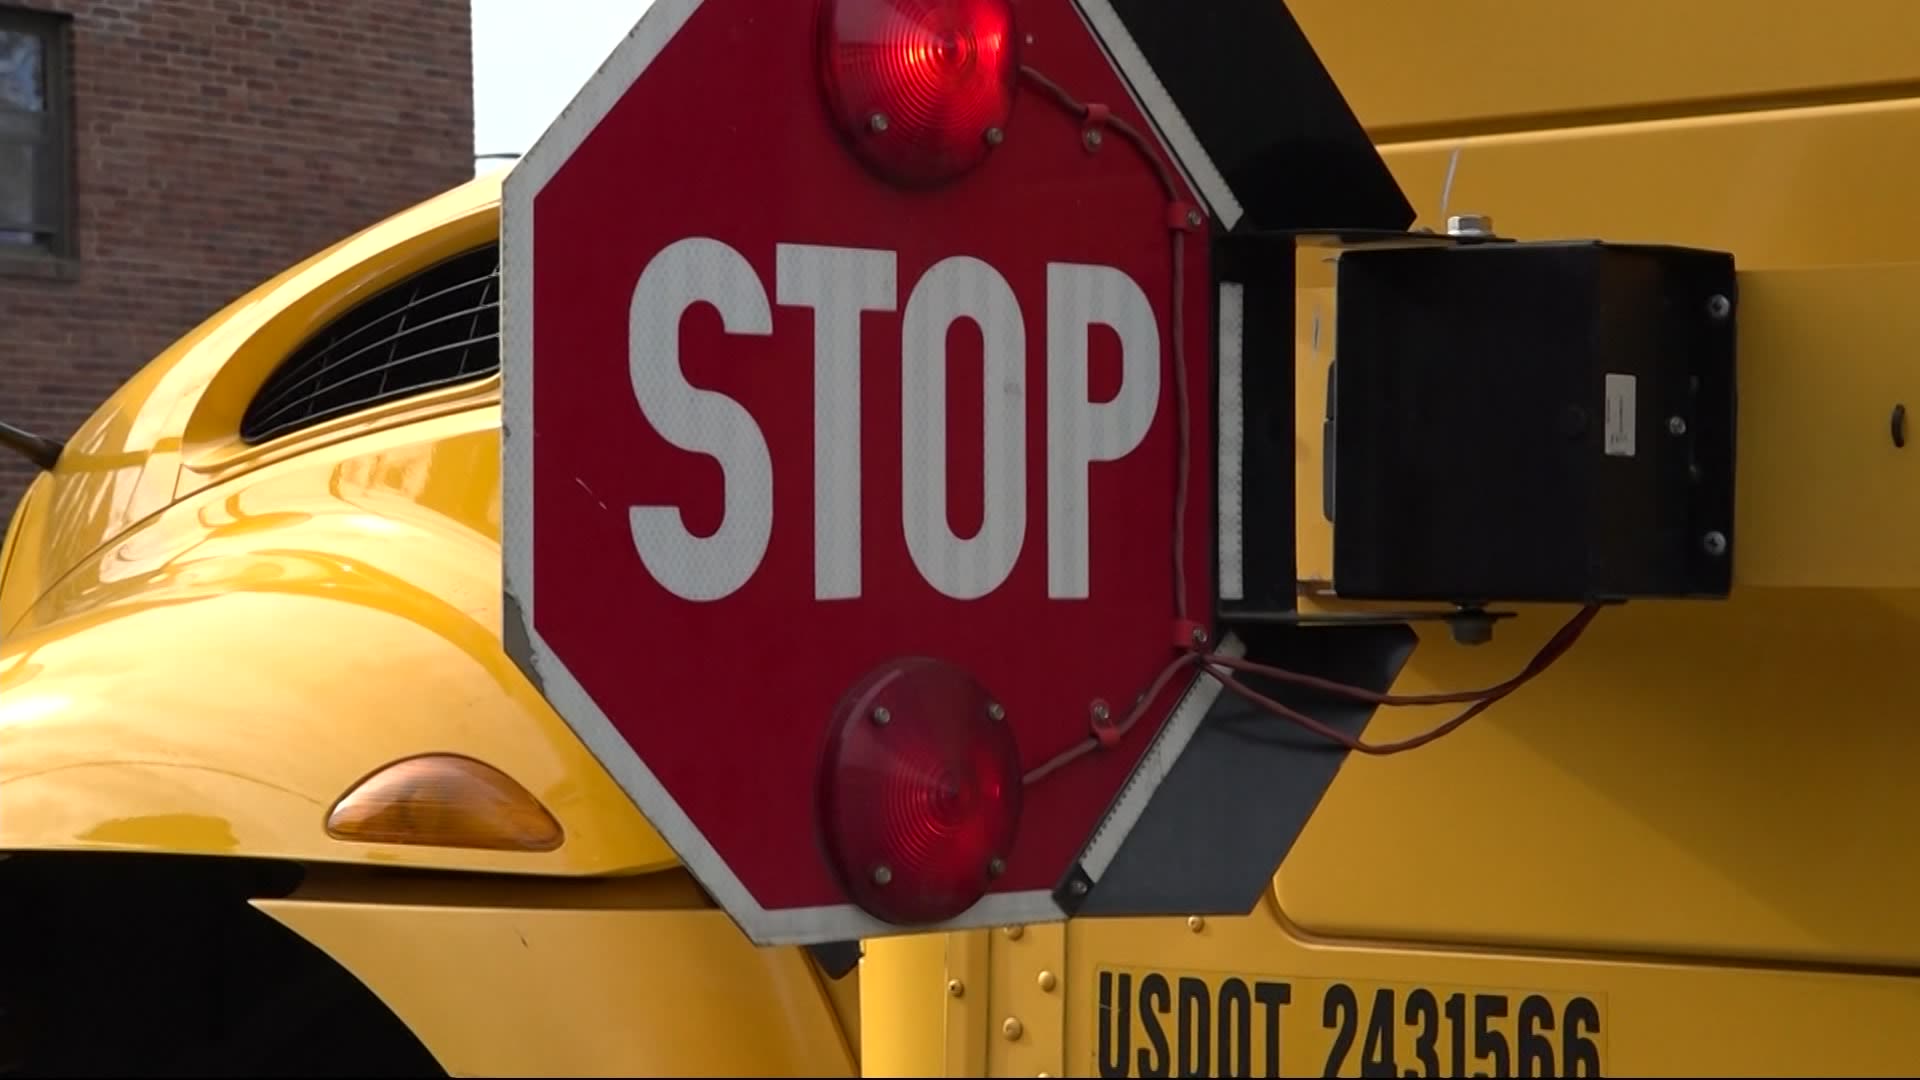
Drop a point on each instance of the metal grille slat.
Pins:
(438, 328)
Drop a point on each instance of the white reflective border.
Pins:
(1154, 766)
(839, 922)
(1188, 155)
(1228, 423)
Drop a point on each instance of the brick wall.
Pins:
(215, 143)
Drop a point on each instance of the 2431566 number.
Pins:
(1462, 1030)
(1188, 1023)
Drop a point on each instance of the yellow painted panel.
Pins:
(1411, 67)
(1282, 1005)
(588, 981)
(187, 689)
(1803, 187)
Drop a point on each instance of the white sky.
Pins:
(529, 59)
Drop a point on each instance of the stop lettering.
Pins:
(839, 285)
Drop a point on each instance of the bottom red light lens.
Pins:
(920, 792)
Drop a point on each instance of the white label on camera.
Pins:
(1620, 425)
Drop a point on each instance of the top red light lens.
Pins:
(920, 793)
(921, 88)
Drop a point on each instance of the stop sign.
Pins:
(858, 369)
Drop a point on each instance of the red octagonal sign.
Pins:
(858, 357)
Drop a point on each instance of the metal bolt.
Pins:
(1195, 923)
(1676, 425)
(1714, 542)
(956, 988)
(882, 874)
(1718, 306)
(882, 717)
(1092, 138)
(1470, 225)
(995, 136)
(878, 121)
(1194, 219)
(1047, 981)
(1013, 932)
(1099, 708)
(1012, 1028)
(996, 866)
(995, 712)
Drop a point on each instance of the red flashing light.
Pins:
(921, 88)
(920, 792)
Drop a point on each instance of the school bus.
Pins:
(274, 799)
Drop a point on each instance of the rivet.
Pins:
(1099, 709)
(1012, 1028)
(1194, 218)
(882, 874)
(995, 136)
(955, 988)
(1092, 139)
(1013, 932)
(1047, 981)
(881, 716)
(1195, 923)
(996, 866)
(878, 121)
(1715, 543)
(1199, 635)
(1077, 887)
(995, 711)
(1676, 425)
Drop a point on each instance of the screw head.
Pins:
(1047, 981)
(882, 874)
(1199, 635)
(995, 711)
(882, 716)
(1014, 932)
(1714, 543)
(1012, 1027)
(1194, 219)
(878, 122)
(1077, 887)
(1718, 306)
(1676, 425)
(956, 988)
(1093, 138)
(996, 866)
(995, 136)
(1099, 710)
(1195, 923)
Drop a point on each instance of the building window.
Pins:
(36, 213)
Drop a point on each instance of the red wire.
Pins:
(1215, 664)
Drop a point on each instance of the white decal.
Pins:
(690, 272)
(962, 287)
(1080, 431)
(1620, 423)
(838, 284)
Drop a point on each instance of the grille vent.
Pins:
(437, 328)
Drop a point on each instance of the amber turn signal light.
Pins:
(443, 800)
